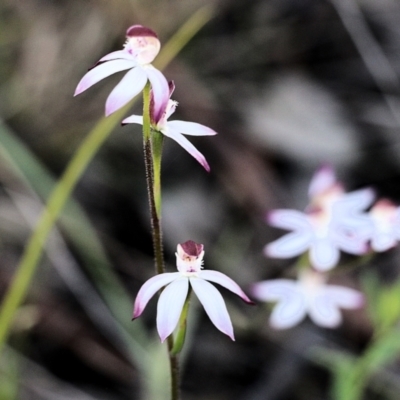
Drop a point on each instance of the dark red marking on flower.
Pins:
(140, 31)
(192, 248)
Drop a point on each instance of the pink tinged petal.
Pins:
(289, 219)
(149, 289)
(225, 281)
(100, 72)
(382, 242)
(181, 140)
(355, 201)
(133, 119)
(324, 255)
(213, 304)
(131, 84)
(291, 307)
(160, 90)
(322, 180)
(290, 245)
(119, 54)
(344, 297)
(350, 241)
(169, 306)
(191, 128)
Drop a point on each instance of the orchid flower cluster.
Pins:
(334, 221)
(141, 48)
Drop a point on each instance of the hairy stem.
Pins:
(152, 165)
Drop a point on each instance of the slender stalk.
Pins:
(181, 334)
(152, 157)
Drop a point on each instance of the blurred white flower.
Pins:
(309, 295)
(385, 216)
(333, 221)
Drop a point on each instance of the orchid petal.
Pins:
(169, 306)
(191, 128)
(100, 72)
(289, 220)
(322, 180)
(351, 243)
(225, 281)
(273, 290)
(323, 254)
(149, 289)
(354, 201)
(119, 54)
(133, 119)
(344, 297)
(160, 90)
(323, 310)
(131, 84)
(382, 242)
(180, 139)
(289, 245)
(291, 307)
(213, 304)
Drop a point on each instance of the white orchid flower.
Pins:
(334, 221)
(140, 49)
(174, 129)
(307, 296)
(189, 259)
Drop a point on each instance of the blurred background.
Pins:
(288, 85)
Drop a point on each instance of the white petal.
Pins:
(180, 139)
(355, 201)
(289, 245)
(324, 255)
(160, 89)
(292, 304)
(131, 84)
(100, 72)
(169, 306)
(289, 219)
(322, 180)
(382, 242)
(191, 128)
(119, 54)
(324, 312)
(344, 297)
(225, 281)
(324, 308)
(351, 243)
(213, 304)
(133, 119)
(273, 290)
(149, 289)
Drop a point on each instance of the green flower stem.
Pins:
(152, 161)
(180, 336)
(157, 143)
(156, 231)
